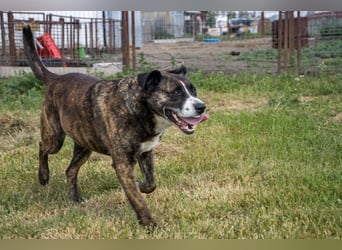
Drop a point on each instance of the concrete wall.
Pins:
(107, 69)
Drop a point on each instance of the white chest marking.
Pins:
(149, 145)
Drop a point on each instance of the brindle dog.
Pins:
(123, 118)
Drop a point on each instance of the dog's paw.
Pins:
(148, 222)
(43, 182)
(146, 188)
(82, 200)
(43, 178)
(78, 199)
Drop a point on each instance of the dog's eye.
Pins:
(193, 90)
(177, 92)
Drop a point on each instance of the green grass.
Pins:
(267, 164)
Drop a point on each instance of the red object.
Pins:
(50, 49)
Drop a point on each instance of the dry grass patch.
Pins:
(337, 117)
(227, 102)
(17, 130)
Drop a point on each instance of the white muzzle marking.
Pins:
(188, 109)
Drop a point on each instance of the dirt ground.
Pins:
(208, 57)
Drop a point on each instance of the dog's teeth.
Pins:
(175, 117)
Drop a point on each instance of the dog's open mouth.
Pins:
(185, 124)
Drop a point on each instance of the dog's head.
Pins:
(173, 97)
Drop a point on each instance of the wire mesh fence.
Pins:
(61, 40)
(303, 42)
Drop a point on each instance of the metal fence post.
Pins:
(3, 33)
(125, 40)
(280, 40)
(299, 42)
(11, 40)
(133, 41)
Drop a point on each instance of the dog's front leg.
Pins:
(147, 169)
(127, 180)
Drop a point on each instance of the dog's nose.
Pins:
(200, 107)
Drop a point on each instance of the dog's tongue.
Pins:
(195, 121)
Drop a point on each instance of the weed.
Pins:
(19, 84)
(23, 91)
(143, 64)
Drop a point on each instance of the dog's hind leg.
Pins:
(52, 136)
(43, 171)
(147, 169)
(80, 156)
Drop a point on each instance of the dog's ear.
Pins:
(179, 71)
(150, 80)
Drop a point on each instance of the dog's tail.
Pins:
(37, 66)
